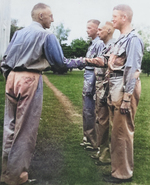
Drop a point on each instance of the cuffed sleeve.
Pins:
(96, 62)
(75, 63)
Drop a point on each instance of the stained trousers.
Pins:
(89, 107)
(102, 123)
(122, 134)
(23, 106)
(102, 116)
(89, 119)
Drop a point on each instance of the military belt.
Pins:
(27, 70)
(116, 74)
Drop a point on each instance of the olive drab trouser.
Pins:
(122, 128)
(102, 123)
(23, 105)
(89, 107)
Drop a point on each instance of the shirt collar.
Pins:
(37, 23)
(95, 40)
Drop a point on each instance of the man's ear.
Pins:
(124, 17)
(40, 15)
(109, 30)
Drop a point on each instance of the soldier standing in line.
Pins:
(89, 86)
(105, 33)
(124, 61)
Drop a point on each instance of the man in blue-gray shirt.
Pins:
(22, 64)
(30, 52)
(94, 50)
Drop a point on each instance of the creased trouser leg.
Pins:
(102, 123)
(102, 131)
(122, 137)
(24, 93)
(89, 119)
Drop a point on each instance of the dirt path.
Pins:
(48, 161)
(68, 107)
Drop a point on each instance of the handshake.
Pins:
(55, 57)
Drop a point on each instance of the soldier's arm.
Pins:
(55, 56)
(97, 61)
(132, 70)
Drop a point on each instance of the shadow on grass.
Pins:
(58, 158)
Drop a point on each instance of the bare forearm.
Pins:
(96, 62)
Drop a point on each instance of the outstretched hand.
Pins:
(111, 61)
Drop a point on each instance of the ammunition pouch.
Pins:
(104, 93)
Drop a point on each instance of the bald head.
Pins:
(109, 26)
(126, 10)
(40, 7)
(42, 14)
(106, 31)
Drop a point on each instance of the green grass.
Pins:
(70, 84)
(142, 135)
(2, 103)
(59, 160)
(142, 120)
(71, 163)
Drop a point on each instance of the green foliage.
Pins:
(67, 50)
(79, 47)
(14, 27)
(146, 63)
(61, 33)
(146, 57)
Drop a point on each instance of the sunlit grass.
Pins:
(2, 103)
(70, 84)
(59, 160)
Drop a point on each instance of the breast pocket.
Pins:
(116, 89)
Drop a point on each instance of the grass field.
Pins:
(58, 159)
(70, 84)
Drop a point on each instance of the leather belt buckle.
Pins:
(115, 74)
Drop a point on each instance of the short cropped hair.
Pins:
(38, 6)
(110, 25)
(95, 21)
(125, 8)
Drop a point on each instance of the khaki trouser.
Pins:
(102, 116)
(102, 124)
(122, 129)
(23, 105)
